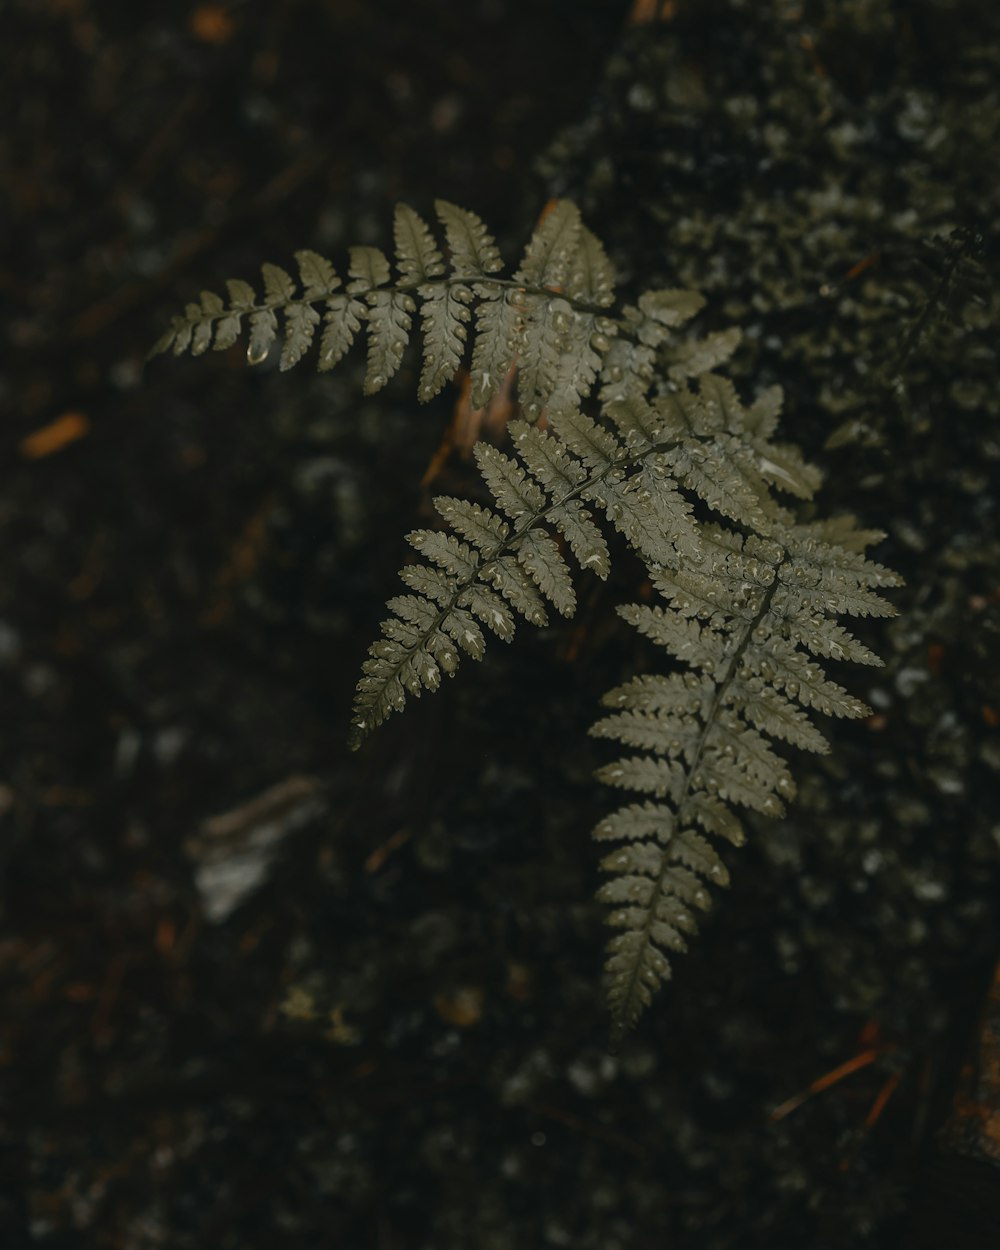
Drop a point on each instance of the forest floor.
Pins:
(260, 992)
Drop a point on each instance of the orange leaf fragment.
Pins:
(211, 23)
(462, 1007)
(55, 436)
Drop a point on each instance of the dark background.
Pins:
(396, 1039)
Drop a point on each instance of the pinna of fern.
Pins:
(553, 315)
(748, 625)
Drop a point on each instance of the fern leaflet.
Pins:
(502, 563)
(551, 319)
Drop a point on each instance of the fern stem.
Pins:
(361, 293)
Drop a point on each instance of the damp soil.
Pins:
(261, 992)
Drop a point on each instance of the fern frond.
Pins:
(506, 561)
(551, 319)
(748, 598)
(706, 732)
(526, 318)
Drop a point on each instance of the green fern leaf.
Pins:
(630, 361)
(651, 731)
(590, 276)
(685, 639)
(301, 321)
(579, 360)
(542, 337)
(390, 314)
(461, 627)
(483, 528)
(585, 540)
(558, 342)
(659, 777)
(657, 693)
(595, 445)
(341, 323)
(490, 609)
(318, 277)
(690, 360)
(447, 552)
(762, 416)
(627, 366)
(210, 308)
(771, 712)
(552, 248)
(445, 315)
(473, 250)
(653, 516)
(516, 493)
(177, 339)
(706, 731)
(498, 321)
(368, 269)
(509, 559)
(540, 556)
(263, 332)
(668, 309)
(637, 821)
(227, 331)
(518, 587)
(417, 257)
(241, 294)
(434, 584)
(635, 419)
(279, 287)
(714, 816)
(546, 457)
(784, 467)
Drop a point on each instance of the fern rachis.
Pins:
(686, 476)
